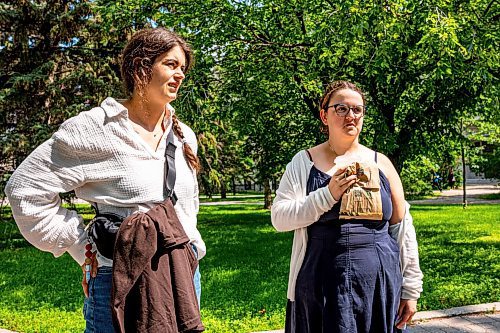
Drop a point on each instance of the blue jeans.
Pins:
(197, 277)
(97, 307)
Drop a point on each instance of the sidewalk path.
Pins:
(221, 203)
(447, 197)
(455, 196)
(465, 319)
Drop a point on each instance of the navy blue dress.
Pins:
(350, 280)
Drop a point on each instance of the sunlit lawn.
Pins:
(245, 272)
(246, 199)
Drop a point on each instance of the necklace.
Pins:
(158, 131)
(142, 131)
(139, 126)
(155, 134)
(331, 148)
(162, 124)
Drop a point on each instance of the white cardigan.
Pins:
(294, 210)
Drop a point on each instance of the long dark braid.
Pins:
(191, 158)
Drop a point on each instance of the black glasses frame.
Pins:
(349, 108)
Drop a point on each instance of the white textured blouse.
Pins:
(292, 209)
(99, 155)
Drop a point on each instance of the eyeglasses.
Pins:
(342, 110)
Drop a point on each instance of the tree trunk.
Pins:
(223, 191)
(268, 200)
(464, 185)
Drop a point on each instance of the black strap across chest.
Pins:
(170, 174)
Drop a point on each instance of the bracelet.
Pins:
(88, 261)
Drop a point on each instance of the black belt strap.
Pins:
(169, 177)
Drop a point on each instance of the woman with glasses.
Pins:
(345, 274)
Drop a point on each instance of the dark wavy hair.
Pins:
(141, 52)
(136, 69)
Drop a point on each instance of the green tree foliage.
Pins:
(484, 132)
(424, 66)
(55, 61)
(416, 176)
(260, 70)
(200, 102)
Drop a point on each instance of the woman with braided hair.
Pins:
(113, 157)
(353, 269)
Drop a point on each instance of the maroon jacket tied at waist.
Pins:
(153, 269)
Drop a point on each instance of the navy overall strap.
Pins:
(309, 154)
(169, 177)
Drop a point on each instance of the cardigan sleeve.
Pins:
(404, 234)
(292, 208)
(33, 194)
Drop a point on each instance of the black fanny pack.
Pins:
(103, 228)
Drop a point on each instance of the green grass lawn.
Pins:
(459, 254)
(247, 199)
(245, 272)
(490, 196)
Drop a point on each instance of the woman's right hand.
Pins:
(339, 183)
(93, 273)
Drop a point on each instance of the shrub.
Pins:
(415, 177)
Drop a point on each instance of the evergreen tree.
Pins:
(55, 61)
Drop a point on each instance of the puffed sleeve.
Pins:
(33, 190)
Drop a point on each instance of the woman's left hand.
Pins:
(407, 308)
